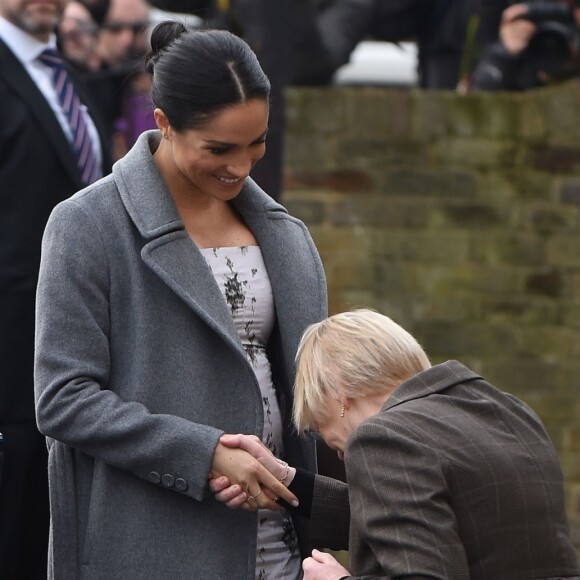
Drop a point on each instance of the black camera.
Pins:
(552, 48)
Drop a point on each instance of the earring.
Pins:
(342, 411)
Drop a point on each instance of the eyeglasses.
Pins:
(76, 35)
(118, 27)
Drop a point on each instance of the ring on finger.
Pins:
(253, 497)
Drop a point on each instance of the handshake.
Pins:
(261, 480)
(261, 483)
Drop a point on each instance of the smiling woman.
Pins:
(189, 288)
(207, 166)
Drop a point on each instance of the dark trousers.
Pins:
(24, 513)
(24, 507)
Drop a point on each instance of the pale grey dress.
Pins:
(241, 275)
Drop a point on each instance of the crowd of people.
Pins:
(154, 296)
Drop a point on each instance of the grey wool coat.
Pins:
(139, 370)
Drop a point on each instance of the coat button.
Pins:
(154, 477)
(180, 484)
(167, 480)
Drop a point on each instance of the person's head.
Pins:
(211, 101)
(123, 35)
(346, 368)
(98, 9)
(77, 33)
(39, 19)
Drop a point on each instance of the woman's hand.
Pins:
(251, 485)
(250, 443)
(322, 566)
(234, 495)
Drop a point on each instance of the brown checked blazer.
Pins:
(452, 480)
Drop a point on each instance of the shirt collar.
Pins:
(24, 46)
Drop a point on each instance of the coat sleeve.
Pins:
(74, 401)
(400, 504)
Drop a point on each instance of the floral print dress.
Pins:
(241, 275)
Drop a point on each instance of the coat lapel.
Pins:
(19, 80)
(294, 268)
(168, 250)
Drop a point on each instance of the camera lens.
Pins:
(549, 48)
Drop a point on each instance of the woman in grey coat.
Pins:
(172, 297)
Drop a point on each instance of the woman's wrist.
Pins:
(287, 473)
(290, 477)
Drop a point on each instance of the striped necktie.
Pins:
(75, 116)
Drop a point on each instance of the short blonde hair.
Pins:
(352, 354)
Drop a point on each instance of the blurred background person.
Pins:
(437, 26)
(538, 42)
(318, 36)
(106, 40)
(40, 166)
(122, 45)
(78, 34)
(124, 35)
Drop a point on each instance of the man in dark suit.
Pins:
(38, 169)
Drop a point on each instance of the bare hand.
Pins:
(322, 566)
(251, 477)
(232, 495)
(250, 443)
(514, 31)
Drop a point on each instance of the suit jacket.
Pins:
(452, 480)
(139, 370)
(37, 170)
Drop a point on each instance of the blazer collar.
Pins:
(434, 380)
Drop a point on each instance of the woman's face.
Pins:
(336, 429)
(215, 160)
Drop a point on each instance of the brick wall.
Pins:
(458, 216)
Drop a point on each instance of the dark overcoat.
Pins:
(37, 171)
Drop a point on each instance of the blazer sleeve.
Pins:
(400, 503)
(75, 403)
(329, 514)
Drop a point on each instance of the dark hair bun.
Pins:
(162, 36)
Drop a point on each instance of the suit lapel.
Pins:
(19, 80)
